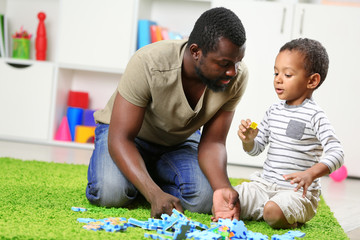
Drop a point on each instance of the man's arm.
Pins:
(213, 162)
(125, 124)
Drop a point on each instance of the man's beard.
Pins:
(212, 83)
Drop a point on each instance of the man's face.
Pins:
(218, 68)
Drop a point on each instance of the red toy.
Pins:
(41, 41)
(78, 99)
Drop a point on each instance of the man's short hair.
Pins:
(215, 24)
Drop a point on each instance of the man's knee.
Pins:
(199, 201)
(109, 194)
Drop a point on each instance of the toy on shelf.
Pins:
(74, 116)
(78, 99)
(63, 133)
(149, 32)
(21, 44)
(340, 174)
(84, 134)
(88, 118)
(41, 41)
(80, 123)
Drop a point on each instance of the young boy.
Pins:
(286, 193)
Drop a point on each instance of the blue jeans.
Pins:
(175, 169)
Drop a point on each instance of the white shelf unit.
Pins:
(89, 44)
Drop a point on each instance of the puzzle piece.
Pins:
(253, 125)
(93, 227)
(78, 209)
(178, 226)
(86, 220)
(298, 234)
(155, 236)
(238, 229)
(255, 236)
(290, 235)
(138, 223)
(204, 235)
(180, 233)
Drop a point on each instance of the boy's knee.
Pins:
(275, 217)
(273, 214)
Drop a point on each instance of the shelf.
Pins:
(24, 62)
(88, 146)
(91, 68)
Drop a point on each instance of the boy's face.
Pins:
(217, 69)
(290, 78)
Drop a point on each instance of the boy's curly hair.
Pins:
(316, 59)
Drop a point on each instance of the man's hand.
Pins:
(225, 204)
(164, 203)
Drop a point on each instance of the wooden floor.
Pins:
(342, 197)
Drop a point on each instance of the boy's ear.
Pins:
(314, 81)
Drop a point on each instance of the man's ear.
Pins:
(195, 51)
(314, 81)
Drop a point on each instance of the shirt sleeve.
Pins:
(134, 84)
(333, 153)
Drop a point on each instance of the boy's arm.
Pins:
(332, 159)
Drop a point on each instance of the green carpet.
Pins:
(36, 200)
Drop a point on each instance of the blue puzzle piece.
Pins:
(155, 236)
(238, 229)
(204, 235)
(290, 235)
(86, 220)
(138, 223)
(78, 209)
(180, 232)
(298, 234)
(256, 236)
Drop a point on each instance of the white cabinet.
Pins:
(338, 29)
(97, 33)
(25, 100)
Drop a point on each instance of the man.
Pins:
(148, 139)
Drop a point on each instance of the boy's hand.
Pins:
(226, 204)
(303, 180)
(246, 133)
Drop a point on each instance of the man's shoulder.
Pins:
(162, 54)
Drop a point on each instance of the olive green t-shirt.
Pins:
(152, 80)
